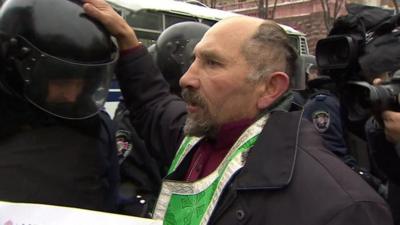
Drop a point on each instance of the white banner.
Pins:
(37, 214)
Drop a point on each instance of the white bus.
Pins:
(150, 17)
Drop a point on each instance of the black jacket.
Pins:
(382, 152)
(289, 177)
(140, 175)
(59, 162)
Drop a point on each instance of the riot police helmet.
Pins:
(174, 50)
(55, 57)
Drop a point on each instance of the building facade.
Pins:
(307, 16)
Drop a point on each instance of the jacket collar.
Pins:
(270, 164)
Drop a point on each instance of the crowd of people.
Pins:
(209, 130)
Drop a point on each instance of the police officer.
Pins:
(174, 50)
(140, 173)
(329, 118)
(56, 147)
(324, 111)
(321, 106)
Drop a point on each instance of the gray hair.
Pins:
(269, 50)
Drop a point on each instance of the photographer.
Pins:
(361, 50)
(384, 146)
(392, 128)
(383, 135)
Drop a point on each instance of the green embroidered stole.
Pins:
(192, 203)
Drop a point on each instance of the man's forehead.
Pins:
(219, 42)
(208, 52)
(213, 50)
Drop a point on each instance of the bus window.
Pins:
(208, 22)
(148, 25)
(145, 20)
(171, 19)
(147, 37)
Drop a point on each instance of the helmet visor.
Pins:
(63, 88)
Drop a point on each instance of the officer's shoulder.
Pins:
(321, 95)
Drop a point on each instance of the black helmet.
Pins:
(174, 49)
(55, 57)
(152, 51)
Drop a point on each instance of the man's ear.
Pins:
(273, 86)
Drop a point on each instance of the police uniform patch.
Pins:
(321, 120)
(124, 144)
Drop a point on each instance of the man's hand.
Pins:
(114, 23)
(391, 120)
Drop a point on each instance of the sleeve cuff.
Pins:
(131, 50)
(397, 147)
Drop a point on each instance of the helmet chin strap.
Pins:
(6, 89)
(6, 85)
(8, 44)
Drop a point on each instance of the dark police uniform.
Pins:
(59, 162)
(55, 146)
(140, 174)
(324, 111)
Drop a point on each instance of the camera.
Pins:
(361, 97)
(337, 52)
(357, 50)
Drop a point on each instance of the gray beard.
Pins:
(201, 124)
(200, 128)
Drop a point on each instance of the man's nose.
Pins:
(70, 93)
(190, 79)
(70, 96)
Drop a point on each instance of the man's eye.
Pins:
(212, 63)
(192, 58)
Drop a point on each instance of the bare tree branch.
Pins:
(338, 5)
(213, 3)
(331, 14)
(262, 9)
(274, 8)
(396, 6)
(325, 10)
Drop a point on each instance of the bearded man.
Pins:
(237, 148)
